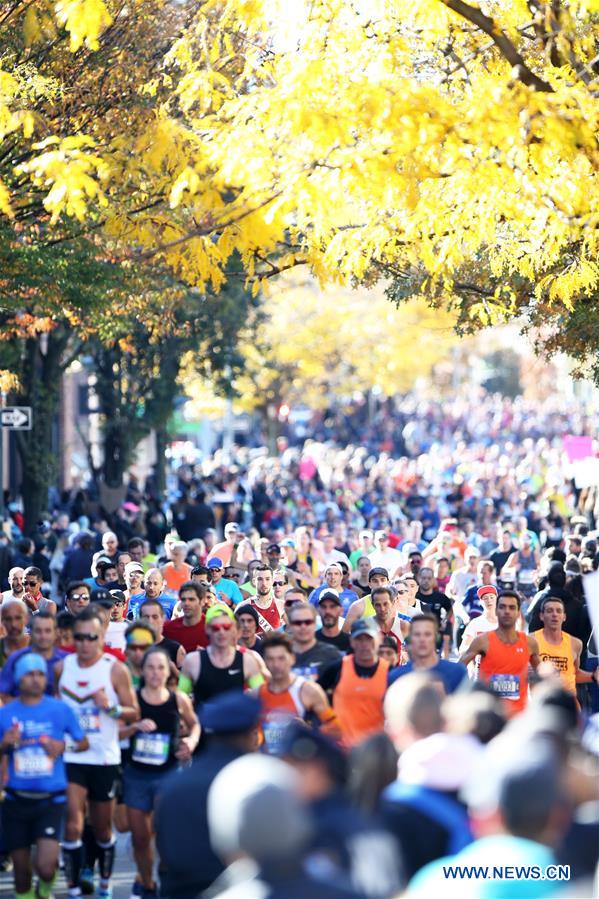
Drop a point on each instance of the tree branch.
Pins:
(501, 41)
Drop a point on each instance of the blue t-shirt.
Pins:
(7, 675)
(167, 602)
(346, 596)
(30, 768)
(230, 589)
(451, 673)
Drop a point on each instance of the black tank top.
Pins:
(213, 681)
(156, 751)
(171, 646)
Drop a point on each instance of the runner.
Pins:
(385, 614)
(227, 591)
(330, 609)
(14, 616)
(287, 696)
(482, 624)
(363, 608)
(559, 649)
(440, 605)
(115, 633)
(221, 666)
(423, 640)
(153, 589)
(263, 602)
(311, 655)
(151, 613)
(177, 571)
(156, 748)
(358, 684)
(32, 732)
(333, 576)
(248, 622)
(134, 575)
(33, 597)
(505, 655)
(77, 597)
(98, 688)
(190, 629)
(43, 642)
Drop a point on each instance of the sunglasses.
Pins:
(292, 602)
(89, 638)
(31, 583)
(225, 626)
(78, 596)
(136, 648)
(279, 583)
(305, 622)
(119, 602)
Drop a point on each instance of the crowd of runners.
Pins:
(330, 673)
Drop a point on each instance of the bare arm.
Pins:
(315, 700)
(187, 744)
(355, 611)
(478, 647)
(123, 687)
(181, 653)
(252, 671)
(533, 648)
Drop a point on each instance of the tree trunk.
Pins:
(161, 442)
(40, 389)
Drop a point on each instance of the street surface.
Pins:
(122, 880)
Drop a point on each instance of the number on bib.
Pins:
(89, 719)
(506, 685)
(32, 762)
(151, 749)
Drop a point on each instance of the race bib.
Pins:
(308, 671)
(273, 728)
(32, 762)
(526, 577)
(151, 749)
(89, 719)
(507, 686)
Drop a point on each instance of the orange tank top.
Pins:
(505, 668)
(561, 657)
(278, 709)
(358, 701)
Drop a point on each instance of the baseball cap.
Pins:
(288, 541)
(118, 596)
(273, 548)
(381, 572)
(231, 526)
(101, 595)
(333, 595)
(381, 534)
(334, 565)
(215, 563)
(364, 626)
(218, 610)
(132, 567)
(486, 590)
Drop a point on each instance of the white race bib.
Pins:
(151, 749)
(32, 762)
(506, 685)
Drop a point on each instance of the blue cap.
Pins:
(31, 661)
(215, 563)
(230, 713)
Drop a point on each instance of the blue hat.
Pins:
(31, 661)
(215, 563)
(230, 713)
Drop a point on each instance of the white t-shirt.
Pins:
(459, 582)
(390, 559)
(8, 594)
(474, 629)
(335, 555)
